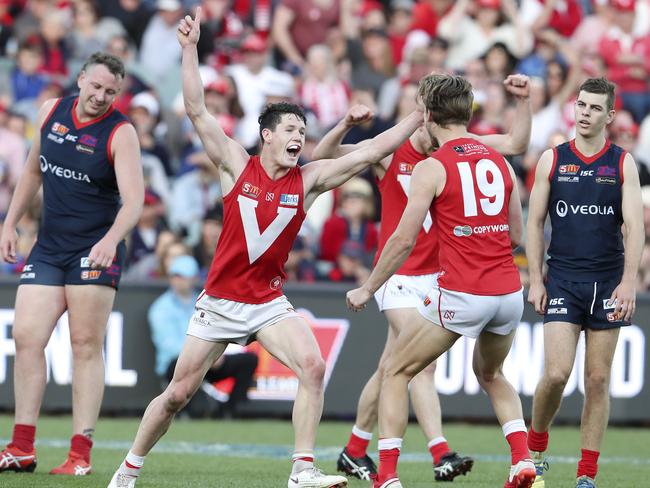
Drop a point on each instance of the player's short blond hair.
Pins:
(448, 98)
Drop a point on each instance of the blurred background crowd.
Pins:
(326, 55)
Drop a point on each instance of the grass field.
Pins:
(255, 453)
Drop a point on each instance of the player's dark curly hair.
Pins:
(272, 114)
(112, 63)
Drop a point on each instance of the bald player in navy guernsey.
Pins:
(86, 156)
(590, 188)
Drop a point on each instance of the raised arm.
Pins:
(28, 185)
(537, 210)
(624, 294)
(517, 139)
(224, 152)
(428, 177)
(330, 145)
(125, 150)
(325, 174)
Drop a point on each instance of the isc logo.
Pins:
(589, 172)
(556, 301)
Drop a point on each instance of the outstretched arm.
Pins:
(325, 174)
(224, 152)
(516, 141)
(427, 179)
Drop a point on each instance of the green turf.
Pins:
(162, 469)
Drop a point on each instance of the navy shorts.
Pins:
(584, 304)
(45, 267)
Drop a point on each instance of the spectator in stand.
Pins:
(151, 266)
(134, 15)
(28, 22)
(27, 80)
(470, 36)
(168, 317)
(160, 51)
(56, 52)
(586, 38)
(627, 57)
(427, 14)
(210, 232)
(399, 25)
(323, 91)
(6, 25)
(252, 78)
(120, 47)
(13, 151)
(351, 222)
(221, 31)
(90, 33)
(143, 237)
(499, 62)
(352, 264)
(563, 16)
(193, 194)
(144, 113)
(299, 24)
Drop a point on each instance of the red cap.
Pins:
(220, 86)
(254, 43)
(624, 5)
(368, 6)
(495, 4)
(150, 197)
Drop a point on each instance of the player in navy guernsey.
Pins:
(86, 158)
(590, 189)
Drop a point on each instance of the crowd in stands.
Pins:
(326, 55)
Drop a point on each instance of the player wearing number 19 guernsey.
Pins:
(477, 214)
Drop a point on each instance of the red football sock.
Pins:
(439, 450)
(357, 447)
(23, 437)
(518, 447)
(537, 441)
(81, 445)
(387, 462)
(588, 465)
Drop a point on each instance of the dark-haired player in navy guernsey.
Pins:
(590, 189)
(86, 157)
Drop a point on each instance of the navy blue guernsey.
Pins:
(586, 216)
(80, 193)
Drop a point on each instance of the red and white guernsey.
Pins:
(394, 188)
(262, 218)
(471, 216)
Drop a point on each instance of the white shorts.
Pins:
(219, 320)
(404, 291)
(469, 315)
